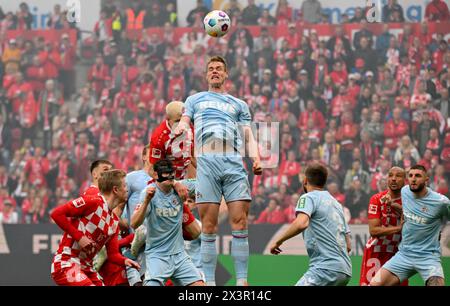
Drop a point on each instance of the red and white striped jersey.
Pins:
(93, 219)
(380, 209)
(91, 191)
(163, 144)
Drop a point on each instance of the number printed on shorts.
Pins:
(375, 265)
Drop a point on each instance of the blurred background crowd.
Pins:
(359, 104)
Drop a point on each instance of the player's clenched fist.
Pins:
(150, 193)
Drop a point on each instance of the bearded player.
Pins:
(89, 224)
(97, 168)
(385, 226)
(217, 117)
(424, 212)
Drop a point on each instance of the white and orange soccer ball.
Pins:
(216, 23)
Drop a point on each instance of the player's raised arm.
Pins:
(139, 214)
(183, 125)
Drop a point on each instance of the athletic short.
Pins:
(74, 276)
(371, 263)
(404, 266)
(178, 267)
(193, 250)
(134, 276)
(322, 277)
(218, 175)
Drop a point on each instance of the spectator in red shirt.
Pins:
(311, 113)
(438, 56)
(98, 74)
(273, 214)
(28, 114)
(291, 168)
(347, 134)
(394, 129)
(369, 151)
(51, 60)
(36, 168)
(437, 10)
(337, 104)
(339, 74)
(18, 90)
(36, 75)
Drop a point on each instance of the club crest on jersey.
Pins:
(175, 201)
(78, 202)
(156, 153)
(424, 209)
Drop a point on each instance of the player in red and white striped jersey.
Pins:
(385, 226)
(178, 149)
(89, 223)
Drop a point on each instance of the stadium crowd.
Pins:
(359, 106)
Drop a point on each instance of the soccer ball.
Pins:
(217, 23)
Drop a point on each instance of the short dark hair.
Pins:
(316, 175)
(99, 162)
(217, 58)
(419, 167)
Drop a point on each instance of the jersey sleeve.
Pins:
(374, 210)
(305, 205)
(245, 117)
(157, 151)
(189, 108)
(128, 182)
(446, 208)
(79, 207)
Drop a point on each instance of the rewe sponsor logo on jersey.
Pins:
(222, 106)
(167, 212)
(415, 218)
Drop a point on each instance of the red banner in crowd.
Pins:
(323, 30)
(49, 35)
